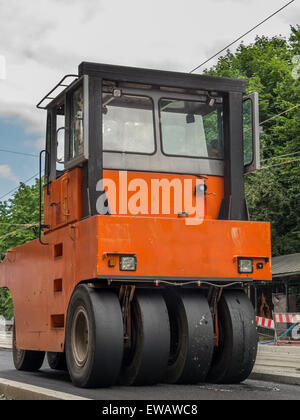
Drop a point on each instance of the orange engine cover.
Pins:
(42, 278)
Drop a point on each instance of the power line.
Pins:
(242, 36)
(14, 224)
(272, 118)
(14, 189)
(281, 156)
(279, 164)
(19, 230)
(18, 153)
(278, 115)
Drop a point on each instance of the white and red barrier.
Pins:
(266, 323)
(278, 319)
(287, 318)
(284, 318)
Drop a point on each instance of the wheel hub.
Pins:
(80, 336)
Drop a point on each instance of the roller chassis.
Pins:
(191, 337)
(185, 348)
(182, 314)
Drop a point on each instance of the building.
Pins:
(283, 294)
(286, 282)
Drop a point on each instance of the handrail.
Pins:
(59, 84)
(41, 225)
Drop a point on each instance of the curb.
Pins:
(20, 391)
(273, 377)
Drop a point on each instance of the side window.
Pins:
(48, 149)
(213, 127)
(77, 124)
(248, 132)
(60, 139)
(251, 133)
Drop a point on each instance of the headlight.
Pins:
(128, 263)
(245, 266)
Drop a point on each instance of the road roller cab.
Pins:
(146, 251)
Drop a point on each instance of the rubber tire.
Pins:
(192, 325)
(105, 348)
(235, 358)
(147, 362)
(27, 360)
(57, 361)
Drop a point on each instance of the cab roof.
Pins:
(161, 77)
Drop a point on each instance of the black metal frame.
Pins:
(234, 205)
(151, 279)
(59, 84)
(162, 78)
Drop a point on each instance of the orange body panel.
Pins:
(63, 204)
(30, 272)
(165, 248)
(213, 198)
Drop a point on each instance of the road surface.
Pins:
(59, 381)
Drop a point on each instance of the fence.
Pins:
(284, 328)
(287, 328)
(5, 325)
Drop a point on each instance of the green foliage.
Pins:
(6, 306)
(273, 193)
(22, 209)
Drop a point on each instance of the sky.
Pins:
(40, 41)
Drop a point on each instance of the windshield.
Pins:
(128, 124)
(191, 128)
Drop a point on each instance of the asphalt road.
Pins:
(59, 381)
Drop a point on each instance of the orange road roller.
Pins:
(146, 255)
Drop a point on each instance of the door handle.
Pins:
(65, 212)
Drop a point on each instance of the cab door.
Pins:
(67, 149)
(63, 203)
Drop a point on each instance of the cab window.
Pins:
(191, 128)
(128, 124)
(77, 117)
(248, 132)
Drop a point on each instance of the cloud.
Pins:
(6, 173)
(43, 40)
(37, 144)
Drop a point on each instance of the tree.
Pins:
(273, 194)
(22, 209)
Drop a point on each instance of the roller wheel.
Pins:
(57, 361)
(192, 337)
(146, 360)
(235, 357)
(94, 337)
(26, 360)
